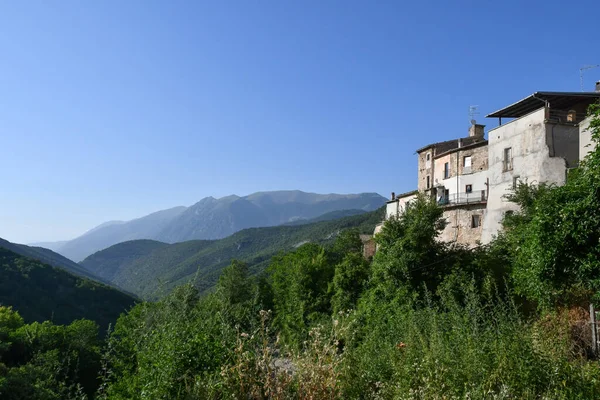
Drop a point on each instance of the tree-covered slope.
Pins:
(202, 260)
(106, 263)
(47, 256)
(40, 292)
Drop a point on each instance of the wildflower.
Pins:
(401, 345)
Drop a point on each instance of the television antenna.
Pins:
(582, 70)
(473, 113)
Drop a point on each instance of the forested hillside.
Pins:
(163, 267)
(49, 257)
(40, 292)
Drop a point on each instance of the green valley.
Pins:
(150, 269)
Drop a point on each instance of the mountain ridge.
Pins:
(211, 218)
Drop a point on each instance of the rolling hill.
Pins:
(212, 218)
(48, 257)
(40, 292)
(169, 265)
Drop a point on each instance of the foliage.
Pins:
(300, 282)
(47, 361)
(40, 292)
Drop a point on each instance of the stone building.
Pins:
(539, 144)
(454, 174)
(546, 135)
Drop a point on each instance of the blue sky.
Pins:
(114, 109)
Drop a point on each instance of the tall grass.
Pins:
(471, 349)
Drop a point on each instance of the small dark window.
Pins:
(446, 170)
(469, 188)
(428, 156)
(475, 221)
(515, 181)
(428, 182)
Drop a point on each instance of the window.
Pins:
(466, 165)
(469, 188)
(428, 160)
(446, 170)
(428, 182)
(515, 181)
(428, 156)
(475, 221)
(508, 165)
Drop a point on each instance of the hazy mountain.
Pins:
(149, 268)
(47, 257)
(213, 218)
(40, 292)
(107, 234)
(54, 246)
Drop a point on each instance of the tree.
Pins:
(409, 254)
(300, 282)
(349, 281)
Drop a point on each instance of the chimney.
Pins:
(476, 130)
(598, 86)
(393, 196)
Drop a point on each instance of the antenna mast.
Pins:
(582, 70)
(473, 113)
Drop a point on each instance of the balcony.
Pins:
(478, 196)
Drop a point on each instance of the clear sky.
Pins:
(114, 109)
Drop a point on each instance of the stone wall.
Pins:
(459, 227)
(425, 168)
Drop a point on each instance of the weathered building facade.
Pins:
(540, 144)
(470, 177)
(454, 174)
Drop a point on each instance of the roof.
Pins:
(559, 100)
(448, 145)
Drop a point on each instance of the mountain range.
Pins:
(212, 218)
(150, 268)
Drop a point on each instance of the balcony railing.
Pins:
(477, 196)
